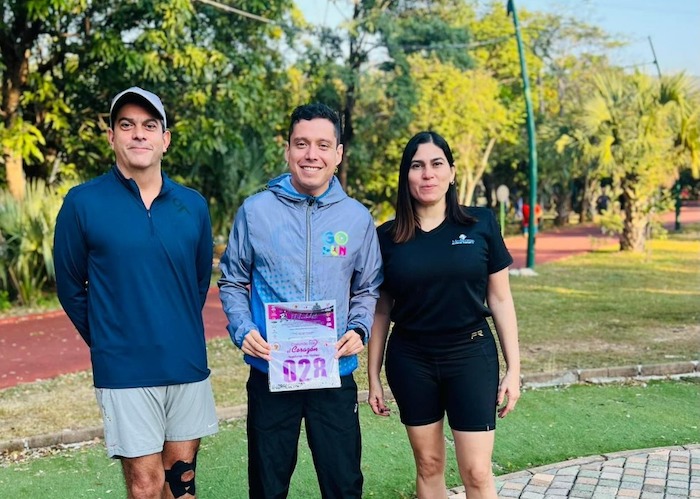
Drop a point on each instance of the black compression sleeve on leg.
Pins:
(173, 476)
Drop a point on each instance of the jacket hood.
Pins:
(282, 187)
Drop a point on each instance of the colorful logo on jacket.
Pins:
(335, 244)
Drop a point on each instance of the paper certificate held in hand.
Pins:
(302, 337)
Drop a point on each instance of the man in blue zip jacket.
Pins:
(133, 253)
(303, 240)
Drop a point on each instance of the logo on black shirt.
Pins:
(462, 240)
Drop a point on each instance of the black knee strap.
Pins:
(174, 477)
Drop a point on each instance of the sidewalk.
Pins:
(669, 472)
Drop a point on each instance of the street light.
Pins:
(510, 9)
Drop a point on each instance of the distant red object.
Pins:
(526, 214)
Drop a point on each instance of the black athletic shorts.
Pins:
(455, 373)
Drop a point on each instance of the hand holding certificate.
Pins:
(302, 338)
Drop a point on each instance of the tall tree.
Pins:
(34, 41)
(221, 76)
(464, 106)
(684, 97)
(569, 51)
(560, 51)
(379, 36)
(630, 121)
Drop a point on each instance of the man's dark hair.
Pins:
(313, 111)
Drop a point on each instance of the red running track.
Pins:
(42, 346)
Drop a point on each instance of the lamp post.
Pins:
(531, 139)
(502, 193)
(677, 186)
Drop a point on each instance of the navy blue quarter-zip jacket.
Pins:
(133, 280)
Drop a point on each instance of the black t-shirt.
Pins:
(438, 279)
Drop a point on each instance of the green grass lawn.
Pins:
(549, 425)
(600, 309)
(608, 308)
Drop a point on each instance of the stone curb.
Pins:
(14, 319)
(67, 437)
(674, 370)
(637, 372)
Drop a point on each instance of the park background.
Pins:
(611, 117)
(609, 123)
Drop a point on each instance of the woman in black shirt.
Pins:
(445, 272)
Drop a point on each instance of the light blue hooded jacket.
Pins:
(285, 246)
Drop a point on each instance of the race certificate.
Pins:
(302, 337)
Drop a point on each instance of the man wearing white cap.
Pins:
(133, 254)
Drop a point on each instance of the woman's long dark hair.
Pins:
(406, 221)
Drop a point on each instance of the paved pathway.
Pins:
(45, 345)
(663, 473)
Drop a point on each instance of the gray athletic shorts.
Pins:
(137, 421)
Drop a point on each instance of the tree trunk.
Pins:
(14, 166)
(562, 204)
(634, 231)
(586, 212)
(464, 175)
(354, 62)
(471, 178)
(15, 56)
(14, 173)
(466, 188)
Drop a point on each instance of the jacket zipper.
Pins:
(307, 284)
(150, 220)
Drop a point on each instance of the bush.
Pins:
(5, 303)
(611, 222)
(26, 242)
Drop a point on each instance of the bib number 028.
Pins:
(303, 369)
